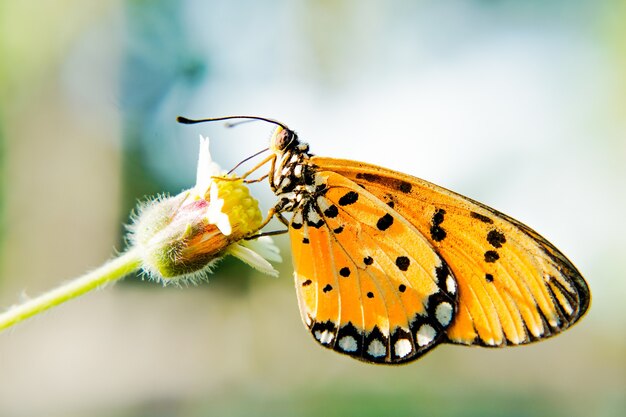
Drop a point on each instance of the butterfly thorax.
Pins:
(293, 176)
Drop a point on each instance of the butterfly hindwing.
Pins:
(514, 287)
(369, 284)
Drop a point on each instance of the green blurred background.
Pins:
(517, 104)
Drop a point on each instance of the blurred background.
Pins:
(520, 105)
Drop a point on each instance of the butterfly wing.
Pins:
(514, 287)
(369, 284)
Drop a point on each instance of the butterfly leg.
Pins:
(282, 219)
(257, 180)
(270, 215)
(273, 212)
(271, 158)
(271, 233)
(238, 178)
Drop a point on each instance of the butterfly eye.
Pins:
(284, 139)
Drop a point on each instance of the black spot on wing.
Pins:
(442, 272)
(370, 294)
(369, 177)
(307, 283)
(438, 217)
(402, 262)
(480, 217)
(491, 256)
(327, 288)
(385, 222)
(402, 288)
(305, 240)
(368, 260)
(338, 230)
(344, 272)
(495, 238)
(331, 211)
(405, 187)
(317, 224)
(396, 184)
(437, 233)
(489, 277)
(348, 198)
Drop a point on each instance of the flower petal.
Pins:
(214, 212)
(206, 167)
(252, 258)
(265, 247)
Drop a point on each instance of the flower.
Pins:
(181, 237)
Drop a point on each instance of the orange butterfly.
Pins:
(387, 266)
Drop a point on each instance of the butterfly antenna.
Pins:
(246, 160)
(187, 121)
(240, 122)
(247, 119)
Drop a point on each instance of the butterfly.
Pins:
(388, 266)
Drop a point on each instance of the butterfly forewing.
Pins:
(369, 284)
(514, 287)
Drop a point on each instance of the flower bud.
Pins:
(181, 237)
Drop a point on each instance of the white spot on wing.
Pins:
(425, 334)
(348, 344)
(451, 284)
(312, 215)
(324, 336)
(443, 312)
(319, 180)
(376, 349)
(322, 202)
(402, 347)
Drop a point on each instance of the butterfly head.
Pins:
(286, 140)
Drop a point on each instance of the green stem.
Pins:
(111, 271)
